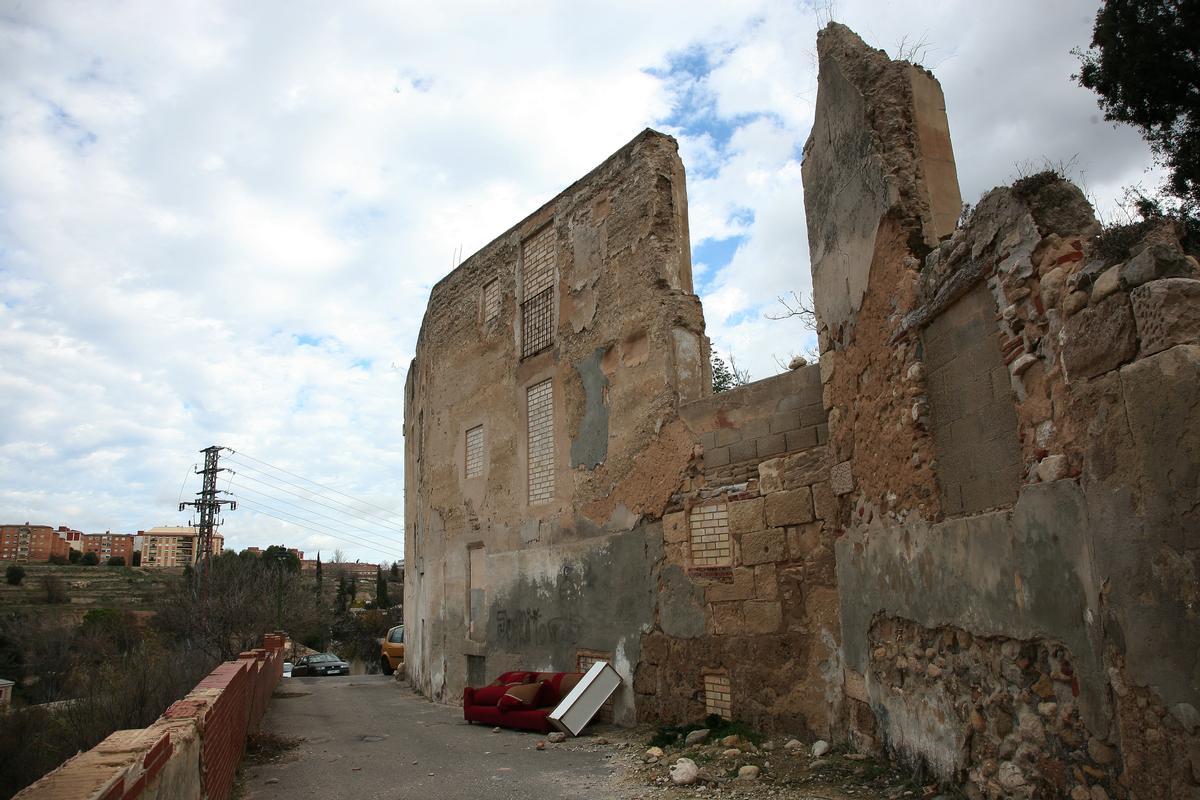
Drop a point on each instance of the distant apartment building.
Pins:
(72, 537)
(31, 543)
(109, 545)
(167, 546)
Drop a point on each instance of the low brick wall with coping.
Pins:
(191, 751)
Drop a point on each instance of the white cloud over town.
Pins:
(220, 221)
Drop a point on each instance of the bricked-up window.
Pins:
(491, 300)
(537, 292)
(717, 695)
(709, 528)
(475, 451)
(540, 402)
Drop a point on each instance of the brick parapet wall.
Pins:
(191, 751)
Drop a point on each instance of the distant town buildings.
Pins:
(109, 545)
(31, 543)
(173, 546)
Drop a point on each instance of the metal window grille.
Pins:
(537, 292)
(709, 536)
(475, 451)
(540, 403)
(537, 323)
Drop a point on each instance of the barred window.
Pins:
(537, 296)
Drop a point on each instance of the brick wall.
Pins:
(752, 423)
(192, 751)
(972, 407)
(541, 442)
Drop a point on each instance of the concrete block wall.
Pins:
(191, 751)
(742, 427)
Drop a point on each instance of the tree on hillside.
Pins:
(320, 573)
(381, 590)
(75, 555)
(278, 554)
(137, 558)
(14, 574)
(395, 570)
(116, 561)
(90, 559)
(1144, 64)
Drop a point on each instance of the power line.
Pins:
(390, 512)
(369, 520)
(261, 508)
(317, 513)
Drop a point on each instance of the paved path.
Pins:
(367, 737)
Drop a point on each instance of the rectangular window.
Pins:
(717, 695)
(475, 452)
(537, 292)
(709, 536)
(540, 404)
(491, 300)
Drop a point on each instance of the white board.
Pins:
(581, 704)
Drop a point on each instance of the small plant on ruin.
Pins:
(727, 377)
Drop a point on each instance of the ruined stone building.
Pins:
(969, 536)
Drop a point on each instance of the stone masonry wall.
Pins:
(747, 598)
(1016, 586)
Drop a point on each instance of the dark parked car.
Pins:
(320, 664)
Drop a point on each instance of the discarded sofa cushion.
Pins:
(490, 695)
(520, 696)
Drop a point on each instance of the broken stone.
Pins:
(1100, 752)
(797, 362)
(1010, 776)
(1052, 468)
(794, 744)
(730, 741)
(655, 752)
(748, 773)
(1167, 313)
(557, 737)
(684, 772)
(696, 737)
(1155, 262)
(1099, 338)
(1022, 363)
(1108, 282)
(1052, 286)
(732, 752)
(1075, 302)
(539, 745)
(1187, 716)
(819, 748)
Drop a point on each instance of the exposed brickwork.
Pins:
(491, 300)
(709, 528)
(540, 405)
(971, 407)
(718, 696)
(474, 452)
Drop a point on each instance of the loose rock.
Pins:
(557, 737)
(748, 773)
(819, 748)
(696, 737)
(684, 772)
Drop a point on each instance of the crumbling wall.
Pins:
(1012, 414)
(747, 602)
(568, 567)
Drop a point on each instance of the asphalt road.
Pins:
(368, 737)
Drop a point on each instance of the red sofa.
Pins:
(483, 704)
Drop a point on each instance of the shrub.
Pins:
(89, 559)
(56, 589)
(14, 574)
(57, 559)
(74, 556)
(116, 561)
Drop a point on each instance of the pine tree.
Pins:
(320, 576)
(381, 590)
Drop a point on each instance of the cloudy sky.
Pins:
(219, 221)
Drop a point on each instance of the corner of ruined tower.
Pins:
(880, 147)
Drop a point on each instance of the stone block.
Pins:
(855, 685)
(804, 539)
(1099, 338)
(1108, 282)
(762, 616)
(841, 479)
(825, 505)
(792, 471)
(761, 547)
(771, 445)
(802, 439)
(785, 421)
(790, 507)
(743, 451)
(1155, 262)
(675, 527)
(812, 414)
(766, 583)
(717, 457)
(747, 515)
(726, 618)
(742, 588)
(826, 366)
(1167, 313)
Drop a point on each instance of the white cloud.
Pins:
(191, 191)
